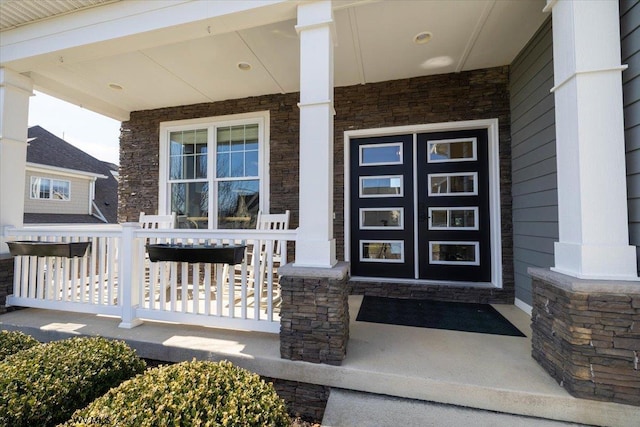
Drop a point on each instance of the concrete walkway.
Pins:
(355, 409)
(480, 371)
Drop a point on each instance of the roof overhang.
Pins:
(122, 56)
(36, 167)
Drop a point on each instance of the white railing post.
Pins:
(128, 280)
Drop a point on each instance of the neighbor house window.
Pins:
(213, 173)
(50, 189)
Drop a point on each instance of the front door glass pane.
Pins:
(381, 154)
(439, 219)
(460, 184)
(452, 150)
(381, 251)
(462, 218)
(453, 218)
(381, 186)
(373, 219)
(462, 253)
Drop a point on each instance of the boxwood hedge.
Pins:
(197, 393)
(45, 384)
(14, 341)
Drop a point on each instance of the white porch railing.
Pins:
(116, 277)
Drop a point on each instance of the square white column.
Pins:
(316, 246)
(15, 90)
(592, 196)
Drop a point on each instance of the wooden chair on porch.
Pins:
(157, 221)
(258, 274)
(152, 271)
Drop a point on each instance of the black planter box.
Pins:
(33, 248)
(217, 254)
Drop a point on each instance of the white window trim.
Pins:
(373, 196)
(262, 118)
(449, 194)
(492, 126)
(382, 260)
(51, 199)
(388, 144)
(380, 227)
(453, 208)
(473, 140)
(476, 245)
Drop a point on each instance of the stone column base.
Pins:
(314, 314)
(6, 280)
(586, 335)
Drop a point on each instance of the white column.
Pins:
(15, 90)
(316, 246)
(592, 196)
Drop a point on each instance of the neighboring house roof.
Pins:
(51, 218)
(47, 149)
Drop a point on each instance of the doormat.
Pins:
(454, 316)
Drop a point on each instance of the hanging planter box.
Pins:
(33, 248)
(215, 254)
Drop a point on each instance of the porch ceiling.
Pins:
(178, 65)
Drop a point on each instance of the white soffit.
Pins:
(194, 62)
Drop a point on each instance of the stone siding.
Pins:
(588, 340)
(314, 315)
(6, 280)
(433, 292)
(471, 95)
(304, 400)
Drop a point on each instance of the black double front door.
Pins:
(420, 206)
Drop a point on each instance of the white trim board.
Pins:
(523, 306)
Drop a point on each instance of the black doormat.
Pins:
(454, 316)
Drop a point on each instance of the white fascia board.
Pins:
(143, 24)
(36, 167)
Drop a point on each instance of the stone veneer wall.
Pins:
(304, 400)
(586, 335)
(314, 314)
(471, 95)
(6, 280)
(480, 295)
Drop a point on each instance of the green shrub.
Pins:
(45, 384)
(14, 341)
(194, 393)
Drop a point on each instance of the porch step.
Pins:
(355, 409)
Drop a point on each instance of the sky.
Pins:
(93, 133)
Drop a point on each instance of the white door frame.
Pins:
(494, 186)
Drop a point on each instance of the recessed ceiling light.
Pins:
(244, 66)
(423, 37)
(437, 62)
(115, 86)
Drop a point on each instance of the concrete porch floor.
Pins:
(481, 371)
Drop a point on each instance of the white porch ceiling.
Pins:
(374, 43)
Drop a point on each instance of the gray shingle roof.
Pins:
(51, 218)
